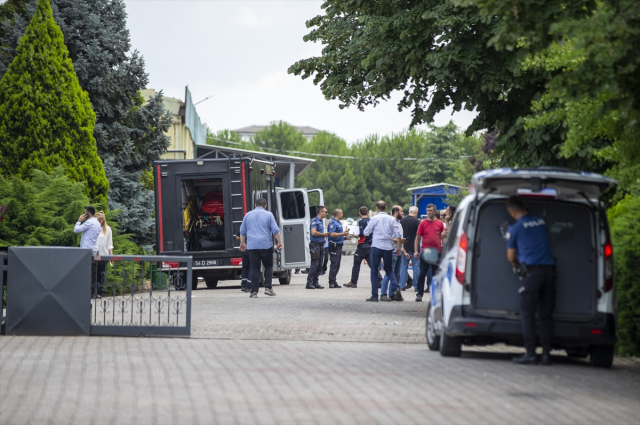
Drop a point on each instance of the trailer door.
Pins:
(293, 211)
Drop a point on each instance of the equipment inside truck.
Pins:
(203, 211)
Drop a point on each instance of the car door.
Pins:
(294, 218)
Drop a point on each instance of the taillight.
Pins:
(461, 261)
(236, 261)
(170, 265)
(608, 266)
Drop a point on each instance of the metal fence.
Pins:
(131, 295)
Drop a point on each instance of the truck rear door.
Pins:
(293, 211)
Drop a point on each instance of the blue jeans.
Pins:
(404, 272)
(395, 265)
(376, 255)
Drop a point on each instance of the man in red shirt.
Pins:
(429, 234)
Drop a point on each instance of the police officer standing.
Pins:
(529, 250)
(364, 248)
(316, 248)
(336, 242)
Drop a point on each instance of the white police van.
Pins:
(474, 294)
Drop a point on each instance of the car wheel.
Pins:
(286, 279)
(211, 282)
(602, 355)
(433, 339)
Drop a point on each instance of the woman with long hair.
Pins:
(105, 247)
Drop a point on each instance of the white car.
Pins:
(474, 294)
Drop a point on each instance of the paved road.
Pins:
(301, 357)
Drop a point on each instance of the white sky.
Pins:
(240, 51)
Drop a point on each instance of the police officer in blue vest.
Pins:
(529, 251)
(336, 242)
(316, 248)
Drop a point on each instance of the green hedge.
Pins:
(624, 219)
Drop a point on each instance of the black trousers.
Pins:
(98, 277)
(538, 292)
(316, 266)
(336, 258)
(362, 253)
(325, 260)
(246, 271)
(261, 257)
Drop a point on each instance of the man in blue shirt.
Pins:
(90, 229)
(529, 249)
(316, 248)
(364, 248)
(336, 242)
(261, 224)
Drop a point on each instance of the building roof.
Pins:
(212, 151)
(306, 130)
(436, 189)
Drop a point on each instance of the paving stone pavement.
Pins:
(302, 357)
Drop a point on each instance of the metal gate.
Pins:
(131, 295)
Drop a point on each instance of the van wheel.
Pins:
(450, 346)
(433, 340)
(211, 282)
(286, 279)
(602, 355)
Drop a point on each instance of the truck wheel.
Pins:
(286, 279)
(433, 340)
(602, 355)
(211, 282)
(194, 281)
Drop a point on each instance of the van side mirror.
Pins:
(430, 256)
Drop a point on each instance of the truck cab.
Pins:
(200, 205)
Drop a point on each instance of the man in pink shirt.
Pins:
(430, 236)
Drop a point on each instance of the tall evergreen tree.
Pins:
(46, 118)
(129, 133)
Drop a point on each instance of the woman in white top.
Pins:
(105, 247)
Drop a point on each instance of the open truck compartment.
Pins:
(203, 214)
(573, 244)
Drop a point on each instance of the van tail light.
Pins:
(608, 266)
(170, 265)
(461, 261)
(236, 261)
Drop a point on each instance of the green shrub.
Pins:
(624, 219)
(46, 119)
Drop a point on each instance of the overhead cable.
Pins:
(339, 156)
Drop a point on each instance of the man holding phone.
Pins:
(90, 229)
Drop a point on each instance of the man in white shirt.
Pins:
(384, 229)
(90, 229)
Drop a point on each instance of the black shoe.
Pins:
(546, 359)
(334, 285)
(310, 287)
(397, 296)
(318, 286)
(304, 271)
(409, 285)
(526, 359)
(297, 272)
(372, 300)
(418, 298)
(384, 298)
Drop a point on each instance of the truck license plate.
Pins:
(201, 263)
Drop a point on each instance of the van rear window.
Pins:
(572, 237)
